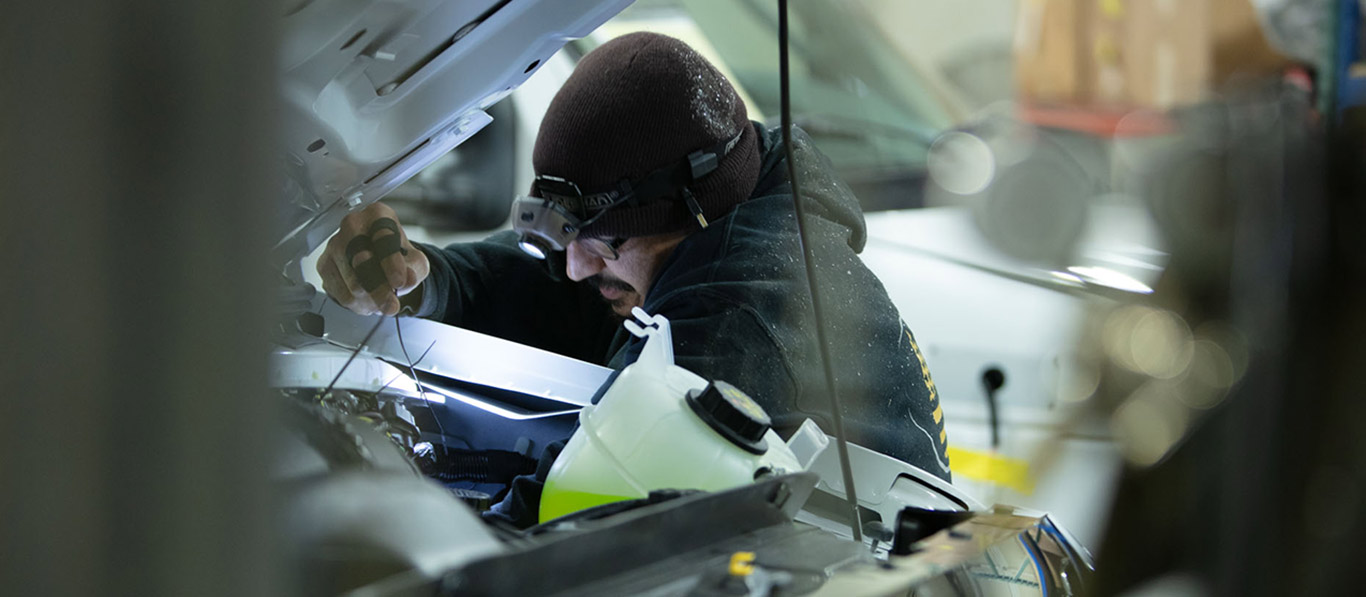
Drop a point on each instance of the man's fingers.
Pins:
(364, 263)
(385, 300)
(410, 283)
(381, 295)
(361, 302)
(370, 273)
(396, 270)
(336, 290)
(415, 270)
(333, 283)
(393, 263)
(390, 306)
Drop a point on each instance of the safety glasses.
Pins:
(602, 248)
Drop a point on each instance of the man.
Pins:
(654, 190)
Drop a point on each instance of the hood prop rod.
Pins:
(836, 415)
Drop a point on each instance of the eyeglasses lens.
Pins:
(603, 249)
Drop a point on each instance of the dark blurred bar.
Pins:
(135, 156)
(1265, 494)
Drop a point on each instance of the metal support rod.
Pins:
(808, 259)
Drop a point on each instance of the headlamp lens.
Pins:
(544, 226)
(533, 247)
(550, 222)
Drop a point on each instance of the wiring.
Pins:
(412, 370)
(350, 359)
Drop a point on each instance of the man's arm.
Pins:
(489, 286)
(495, 288)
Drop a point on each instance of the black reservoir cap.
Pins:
(733, 414)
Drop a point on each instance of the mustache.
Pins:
(597, 281)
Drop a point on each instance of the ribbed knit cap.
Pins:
(638, 103)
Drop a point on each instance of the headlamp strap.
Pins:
(703, 161)
(660, 183)
(586, 204)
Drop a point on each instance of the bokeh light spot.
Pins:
(961, 163)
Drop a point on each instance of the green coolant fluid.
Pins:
(556, 502)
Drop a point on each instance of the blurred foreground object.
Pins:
(136, 144)
(1233, 387)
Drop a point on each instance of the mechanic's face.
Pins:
(623, 281)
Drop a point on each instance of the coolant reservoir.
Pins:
(660, 426)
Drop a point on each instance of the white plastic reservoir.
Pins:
(660, 426)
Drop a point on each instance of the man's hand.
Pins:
(369, 263)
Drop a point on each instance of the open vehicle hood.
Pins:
(374, 90)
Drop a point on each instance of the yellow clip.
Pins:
(742, 563)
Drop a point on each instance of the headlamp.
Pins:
(550, 222)
(544, 225)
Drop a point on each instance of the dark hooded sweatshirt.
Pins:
(739, 306)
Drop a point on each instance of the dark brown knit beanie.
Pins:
(638, 103)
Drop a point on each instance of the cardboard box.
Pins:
(1122, 55)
